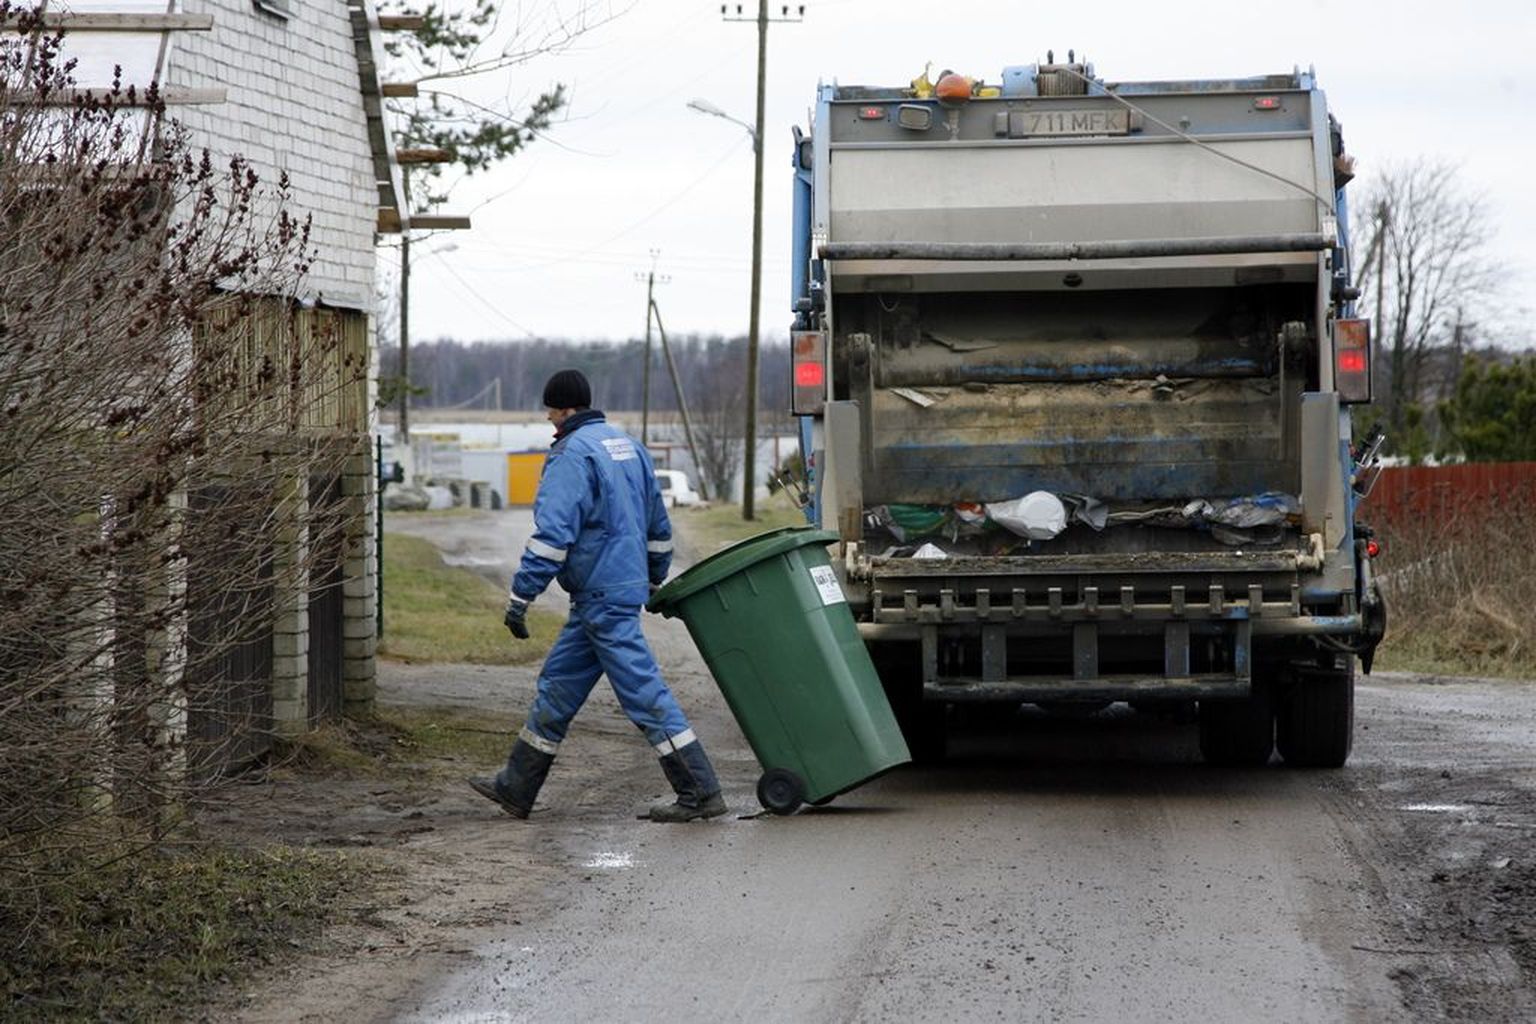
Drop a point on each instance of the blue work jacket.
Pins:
(600, 526)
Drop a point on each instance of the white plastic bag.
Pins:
(1039, 515)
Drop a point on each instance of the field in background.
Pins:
(710, 529)
(439, 613)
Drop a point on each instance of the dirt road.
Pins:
(1065, 870)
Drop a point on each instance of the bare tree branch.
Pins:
(1435, 237)
(164, 405)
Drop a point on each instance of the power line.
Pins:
(729, 269)
(650, 216)
(486, 303)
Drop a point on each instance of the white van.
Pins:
(675, 488)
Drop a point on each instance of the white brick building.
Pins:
(291, 86)
(294, 104)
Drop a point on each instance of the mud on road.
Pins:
(1439, 801)
(1052, 869)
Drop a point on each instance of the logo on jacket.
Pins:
(619, 448)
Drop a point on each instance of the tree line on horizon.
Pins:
(1478, 403)
(447, 373)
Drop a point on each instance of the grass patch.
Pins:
(717, 526)
(351, 747)
(146, 936)
(457, 512)
(1457, 591)
(481, 738)
(397, 738)
(435, 612)
(1429, 656)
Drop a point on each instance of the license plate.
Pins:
(1027, 123)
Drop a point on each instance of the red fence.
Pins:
(1409, 495)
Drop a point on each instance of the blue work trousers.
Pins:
(601, 637)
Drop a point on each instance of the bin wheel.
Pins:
(780, 790)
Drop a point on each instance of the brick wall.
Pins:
(294, 105)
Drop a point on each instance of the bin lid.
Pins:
(734, 559)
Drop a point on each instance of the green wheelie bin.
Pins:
(774, 627)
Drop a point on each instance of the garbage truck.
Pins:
(1073, 362)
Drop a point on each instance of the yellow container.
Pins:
(524, 469)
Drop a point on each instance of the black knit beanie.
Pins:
(568, 389)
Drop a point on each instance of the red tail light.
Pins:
(808, 353)
(1352, 360)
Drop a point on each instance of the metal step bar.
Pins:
(1023, 691)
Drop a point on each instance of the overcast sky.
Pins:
(562, 230)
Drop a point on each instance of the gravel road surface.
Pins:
(1053, 869)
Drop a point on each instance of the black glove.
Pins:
(517, 612)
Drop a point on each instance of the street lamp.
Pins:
(749, 449)
(703, 106)
(407, 260)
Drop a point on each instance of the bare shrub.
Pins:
(719, 428)
(163, 405)
(1458, 592)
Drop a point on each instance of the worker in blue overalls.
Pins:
(601, 530)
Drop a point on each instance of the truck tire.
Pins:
(926, 730)
(923, 725)
(1315, 726)
(1239, 733)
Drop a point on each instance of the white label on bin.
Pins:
(826, 584)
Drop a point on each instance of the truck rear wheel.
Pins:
(923, 724)
(1315, 726)
(1239, 733)
(926, 732)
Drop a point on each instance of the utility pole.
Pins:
(645, 374)
(650, 278)
(682, 404)
(749, 453)
(407, 157)
(403, 437)
(1381, 268)
(1382, 215)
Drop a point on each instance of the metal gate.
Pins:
(229, 637)
(327, 644)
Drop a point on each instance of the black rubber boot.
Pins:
(693, 779)
(517, 785)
